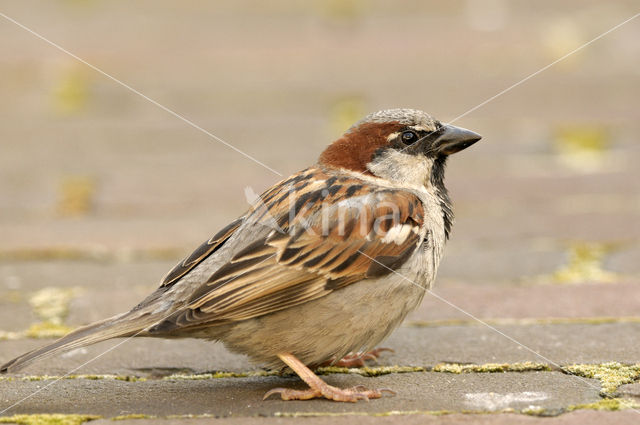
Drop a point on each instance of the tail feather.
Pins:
(118, 326)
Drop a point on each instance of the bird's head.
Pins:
(402, 145)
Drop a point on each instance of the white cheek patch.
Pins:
(399, 233)
(402, 167)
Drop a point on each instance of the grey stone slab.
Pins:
(120, 285)
(522, 301)
(161, 184)
(627, 260)
(467, 259)
(582, 417)
(630, 390)
(93, 274)
(154, 172)
(101, 289)
(561, 344)
(16, 316)
(414, 346)
(138, 356)
(243, 396)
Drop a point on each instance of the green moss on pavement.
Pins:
(611, 375)
(47, 330)
(127, 378)
(608, 404)
(217, 375)
(585, 264)
(47, 419)
(370, 371)
(490, 367)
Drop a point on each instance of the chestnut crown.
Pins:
(408, 131)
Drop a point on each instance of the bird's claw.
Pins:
(329, 392)
(359, 359)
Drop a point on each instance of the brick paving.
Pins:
(102, 192)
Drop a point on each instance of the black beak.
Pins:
(453, 139)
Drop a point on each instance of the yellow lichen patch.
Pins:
(490, 367)
(8, 335)
(71, 91)
(127, 378)
(37, 330)
(582, 147)
(75, 196)
(99, 254)
(611, 375)
(218, 375)
(585, 265)
(46, 330)
(52, 304)
(345, 11)
(369, 371)
(534, 411)
(610, 404)
(47, 419)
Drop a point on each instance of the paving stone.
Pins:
(160, 185)
(561, 344)
(121, 285)
(33, 275)
(243, 396)
(529, 301)
(484, 261)
(414, 346)
(118, 287)
(138, 357)
(582, 417)
(629, 390)
(514, 180)
(627, 260)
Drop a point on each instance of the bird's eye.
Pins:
(409, 137)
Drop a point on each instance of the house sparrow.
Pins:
(327, 262)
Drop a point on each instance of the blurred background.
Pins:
(101, 191)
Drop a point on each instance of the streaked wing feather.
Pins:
(201, 253)
(311, 255)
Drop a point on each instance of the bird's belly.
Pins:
(354, 318)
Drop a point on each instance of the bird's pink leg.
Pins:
(319, 388)
(358, 359)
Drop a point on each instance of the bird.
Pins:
(324, 264)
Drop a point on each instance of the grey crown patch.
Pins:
(403, 116)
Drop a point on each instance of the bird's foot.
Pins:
(329, 392)
(318, 388)
(359, 359)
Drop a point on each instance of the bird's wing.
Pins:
(201, 253)
(330, 232)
